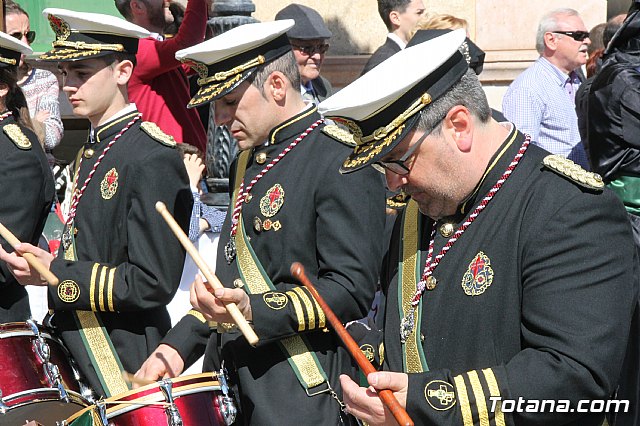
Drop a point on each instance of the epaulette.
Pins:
(572, 171)
(156, 133)
(339, 133)
(14, 132)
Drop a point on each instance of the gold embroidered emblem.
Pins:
(368, 351)
(340, 134)
(440, 395)
(68, 291)
(479, 275)
(14, 132)
(109, 184)
(275, 300)
(271, 203)
(567, 168)
(156, 133)
(276, 225)
(60, 27)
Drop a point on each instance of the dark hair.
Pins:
(187, 149)
(124, 7)
(385, 7)
(592, 62)
(16, 102)
(118, 57)
(286, 64)
(612, 27)
(11, 7)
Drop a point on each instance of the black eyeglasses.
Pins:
(397, 166)
(311, 50)
(30, 35)
(576, 35)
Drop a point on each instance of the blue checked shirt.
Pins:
(213, 216)
(538, 104)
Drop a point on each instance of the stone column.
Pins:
(221, 147)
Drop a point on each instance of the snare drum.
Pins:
(195, 400)
(38, 380)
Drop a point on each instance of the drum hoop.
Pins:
(74, 397)
(211, 384)
(27, 333)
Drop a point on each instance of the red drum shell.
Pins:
(26, 390)
(195, 396)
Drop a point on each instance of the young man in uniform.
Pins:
(290, 203)
(510, 275)
(119, 264)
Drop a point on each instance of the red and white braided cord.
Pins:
(78, 194)
(431, 266)
(242, 192)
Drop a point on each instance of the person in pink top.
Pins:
(159, 85)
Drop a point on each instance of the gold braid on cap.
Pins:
(7, 61)
(223, 75)
(81, 45)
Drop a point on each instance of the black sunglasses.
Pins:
(398, 166)
(30, 35)
(576, 35)
(311, 49)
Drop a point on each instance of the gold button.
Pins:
(257, 224)
(88, 153)
(431, 282)
(446, 230)
(237, 283)
(261, 158)
(247, 198)
(422, 337)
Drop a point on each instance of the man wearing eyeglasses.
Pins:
(541, 101)
(39, 86)
(308, 38)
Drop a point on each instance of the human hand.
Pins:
(211, 303)
(164, 362)
(42, 115)
(195, 168)
(18, 266)
(365, 404)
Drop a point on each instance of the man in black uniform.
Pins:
(26, 183)
(119, 264)
(289, 203)
(510, 275)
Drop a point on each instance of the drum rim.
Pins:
(74, 397)
(177, 391)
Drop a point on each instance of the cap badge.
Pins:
(275, 300)
(479, 275)
(109, 184)
(68, 291)
(59, 27)
(271, 203)
(440, 395)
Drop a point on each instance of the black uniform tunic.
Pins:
(27, 191)
(333, 225)
(555, 261)
(128, 261)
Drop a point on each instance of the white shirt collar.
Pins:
(394, 37)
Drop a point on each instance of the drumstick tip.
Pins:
(296, 268)
(160, 206)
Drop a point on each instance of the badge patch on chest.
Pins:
(272, 201)
(109, 184)
(368, 351)
(440, 395)
(479, 275)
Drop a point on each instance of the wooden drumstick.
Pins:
(29, 257)
(385, 395)
(232, 308)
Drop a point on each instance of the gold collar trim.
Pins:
(272, 139)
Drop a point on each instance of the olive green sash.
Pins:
(303, 361)
(409, 271)
(628, 190)
(97, 342)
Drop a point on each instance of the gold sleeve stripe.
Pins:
(297, 306)
(322, 320)
(112, 274)
(197, 314)
(494, 390)
(92, 285)
(463, 398)
(103, 277)
(481, 401)
(306, 299)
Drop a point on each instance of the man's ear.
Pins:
(122, 71)
(138, 8)
(394, 18)
(276, 86)
(550, 41)
(459, 124)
